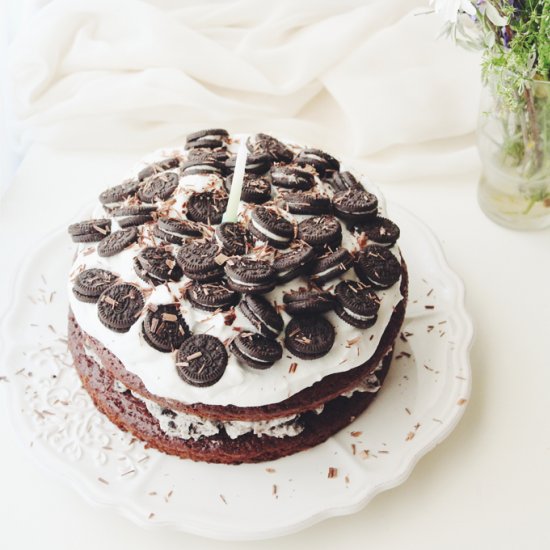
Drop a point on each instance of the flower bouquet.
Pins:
(514, 119)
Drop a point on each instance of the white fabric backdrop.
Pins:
(361, 78)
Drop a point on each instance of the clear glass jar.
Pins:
(514, 145)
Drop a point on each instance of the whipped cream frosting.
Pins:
(240, 385)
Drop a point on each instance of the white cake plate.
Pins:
(420, 403)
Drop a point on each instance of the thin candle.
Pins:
(236, 185)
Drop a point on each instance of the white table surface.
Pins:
(486, 486)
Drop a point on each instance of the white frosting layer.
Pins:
(240, 385)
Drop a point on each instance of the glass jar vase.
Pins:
(514, 145)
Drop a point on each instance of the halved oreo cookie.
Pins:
(267, 225)
(210, 138)
(158, 167)
(379, 231)
(134, 221)
(199, 260)
(292, 177)
(89, 231)
(232, 237)
(302, 301)
(249, 275)
(156, 265)
(307, 203)
(376, 265)
(321, 161)
(356, 303)
(294, 263)
(330, 265)
(207, 207)
(256, 189)
(119, 306)
(343, 181)
(117, 241)
(211, 296)
(201, 360)
(164, 328)
(176, 231)
(355, 205)
(255, 164)
(263, 316)
(256, 350)
(159, 187)
(115, 195)
(309, 336)
(90, 283)
(320, 232)
(264, 144)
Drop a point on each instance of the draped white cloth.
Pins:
(362, 78)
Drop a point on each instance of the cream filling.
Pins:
(357, 316)
(326, 271)
(269, 234)
(189, 426)
(203, 167)
(255, 359)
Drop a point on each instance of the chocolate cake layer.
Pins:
(319, 393)
(130, 414)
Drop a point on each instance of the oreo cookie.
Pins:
(119, 306)
(301, 202)
(249, 275)
(164, 328)
(199, 260)
(343, 181)
(377, 266)
(379, 231)
(320, 232)
(232, 237)
(90, 283)
(255, 164)
(211, 296)
(159, 187)
(134, 221)
(255, 189)
(330, 266)
(292, 177)
(302, 301)
(264, 144)
(156, 265)
(207, 207)
(294, 263)
(89, 231)
(269, 226)
(210, 139)
(263, 316)
(133, 210)
(117, 194)
(204, 167)
(158, 167)
(256, 350)
(218, 155)
(201, 360)
(321, 161)
(309, 336)
(117, 241)
(355, 205)
(172, 230)
(356, 303)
